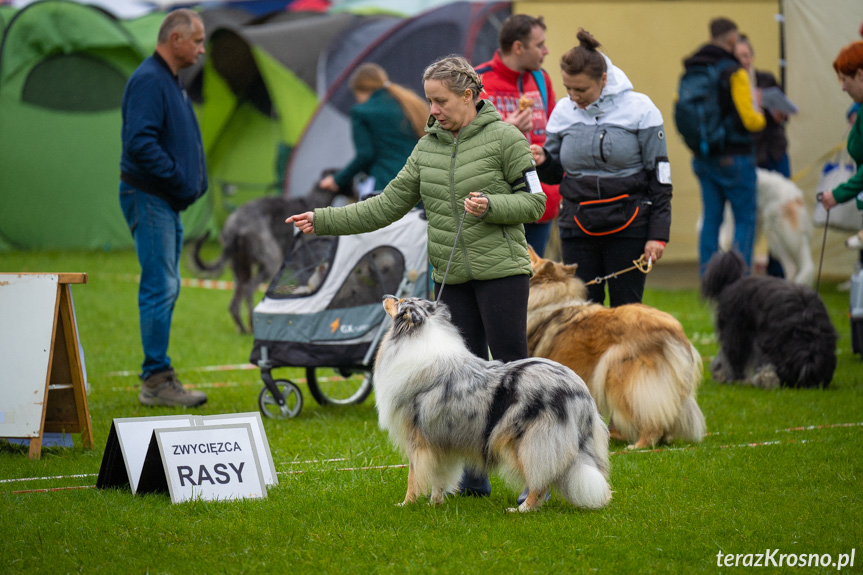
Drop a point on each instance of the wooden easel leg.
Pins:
(36, 447)
(76, 370)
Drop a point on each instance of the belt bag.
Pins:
(606, 217)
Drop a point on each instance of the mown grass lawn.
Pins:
(779, 470)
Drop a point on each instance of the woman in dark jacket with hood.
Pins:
(606, 146)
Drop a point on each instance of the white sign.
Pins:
(213, 462)
(127, 445)
(27, 306)
(253, 418)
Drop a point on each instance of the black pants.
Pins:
(601, 256)
(491, 315)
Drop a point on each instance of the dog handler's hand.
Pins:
(827, 200)
(304, 222)
(476, 204)
(653, 250)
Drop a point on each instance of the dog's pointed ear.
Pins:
(534, 258)
(570, 269)
(542, 266)
(391, 305)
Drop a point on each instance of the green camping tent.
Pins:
(261, 84)
(63, 68)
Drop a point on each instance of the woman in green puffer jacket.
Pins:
(468, 161)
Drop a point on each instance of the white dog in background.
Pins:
(785, 222)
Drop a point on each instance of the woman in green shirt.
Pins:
(849, 67)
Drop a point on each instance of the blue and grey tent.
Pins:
(404, 51)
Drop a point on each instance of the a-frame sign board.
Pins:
(42, 380)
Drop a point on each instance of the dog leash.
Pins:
(639, 264)
(818, 197)
(451, 254)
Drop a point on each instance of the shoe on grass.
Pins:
(165, 389)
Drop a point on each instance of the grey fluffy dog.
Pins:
(534, 419)
(256, 241)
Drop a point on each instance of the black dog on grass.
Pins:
(771, 332)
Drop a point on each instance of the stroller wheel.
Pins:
(293, 401)
(338, 386)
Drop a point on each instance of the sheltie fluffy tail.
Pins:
(690, 424)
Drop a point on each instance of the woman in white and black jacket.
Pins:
(606, 147)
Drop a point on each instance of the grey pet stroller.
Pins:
(323, 312)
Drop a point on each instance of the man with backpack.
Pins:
(514, 81)
(717, 118)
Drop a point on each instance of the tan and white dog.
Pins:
(785, 222)
(637, 362)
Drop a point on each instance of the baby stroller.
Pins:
(323, 312)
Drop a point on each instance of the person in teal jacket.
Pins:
(473, 172)
(386, 123)
(849, 67)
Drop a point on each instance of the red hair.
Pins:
(850, 59)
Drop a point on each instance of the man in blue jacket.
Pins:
(162, 173)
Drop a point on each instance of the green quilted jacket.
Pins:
(490, 156)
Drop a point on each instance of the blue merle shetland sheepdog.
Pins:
(533, 420)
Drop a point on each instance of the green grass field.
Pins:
(780, 470)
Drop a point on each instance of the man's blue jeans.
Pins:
(726, 179)
(158, 235)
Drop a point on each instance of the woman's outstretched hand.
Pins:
(305, 222)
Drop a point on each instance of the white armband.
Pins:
(532, 180)
(663, 173)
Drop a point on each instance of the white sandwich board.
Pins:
(213, 462)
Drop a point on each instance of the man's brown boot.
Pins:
(165, 389)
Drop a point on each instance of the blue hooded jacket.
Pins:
(163, 153)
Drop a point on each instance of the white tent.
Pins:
(815, 31)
